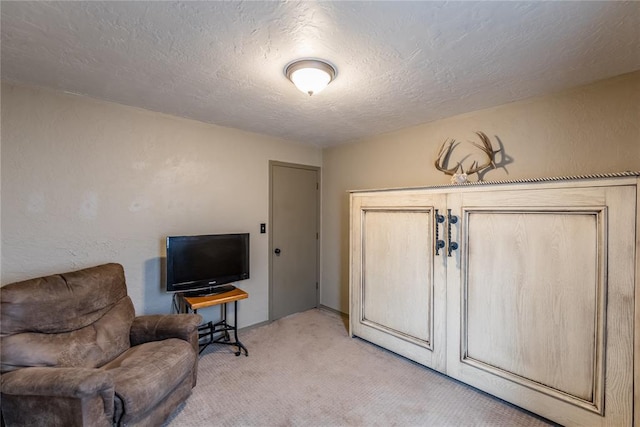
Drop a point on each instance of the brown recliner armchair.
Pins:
(73, 353)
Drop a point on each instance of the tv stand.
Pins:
(216, 333)
(208, 292)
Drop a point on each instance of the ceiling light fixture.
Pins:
(310, 75)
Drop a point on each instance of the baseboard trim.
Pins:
(320, 307)
(255, 325)
(333, 310)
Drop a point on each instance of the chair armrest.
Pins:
(159, 327)
(60, 382)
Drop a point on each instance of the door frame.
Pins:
(317, 169)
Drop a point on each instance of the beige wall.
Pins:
(87, 181)
(591, 129)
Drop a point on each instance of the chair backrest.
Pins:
(80, 318)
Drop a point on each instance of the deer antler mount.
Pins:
(458, 174)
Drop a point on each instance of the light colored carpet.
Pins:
(304, 370)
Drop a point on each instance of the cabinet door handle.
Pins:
(439, 243)
(452, 219)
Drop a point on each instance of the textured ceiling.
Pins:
(399, 63)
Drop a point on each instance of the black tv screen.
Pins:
(204, 262)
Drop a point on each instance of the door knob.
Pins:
(277, 251)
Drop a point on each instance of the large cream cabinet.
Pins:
(525, 290)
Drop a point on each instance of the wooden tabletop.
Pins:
(209, 300)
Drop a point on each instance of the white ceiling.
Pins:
(399, 63)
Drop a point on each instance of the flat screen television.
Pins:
(203, 264)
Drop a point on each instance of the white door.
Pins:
(540, 300)
(294, 239)
(397, 281)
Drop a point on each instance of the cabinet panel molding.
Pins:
(538, 304)
(533, 315)
(398, 291)
(397, 279)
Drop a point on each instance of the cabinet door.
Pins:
(540, 300)
(397, 282)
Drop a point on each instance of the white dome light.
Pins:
(310, 75)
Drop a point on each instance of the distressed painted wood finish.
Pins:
(540, 311)
(540, 297)
(534, 299)
(396, 245)
(636, 347)
(395, 292)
